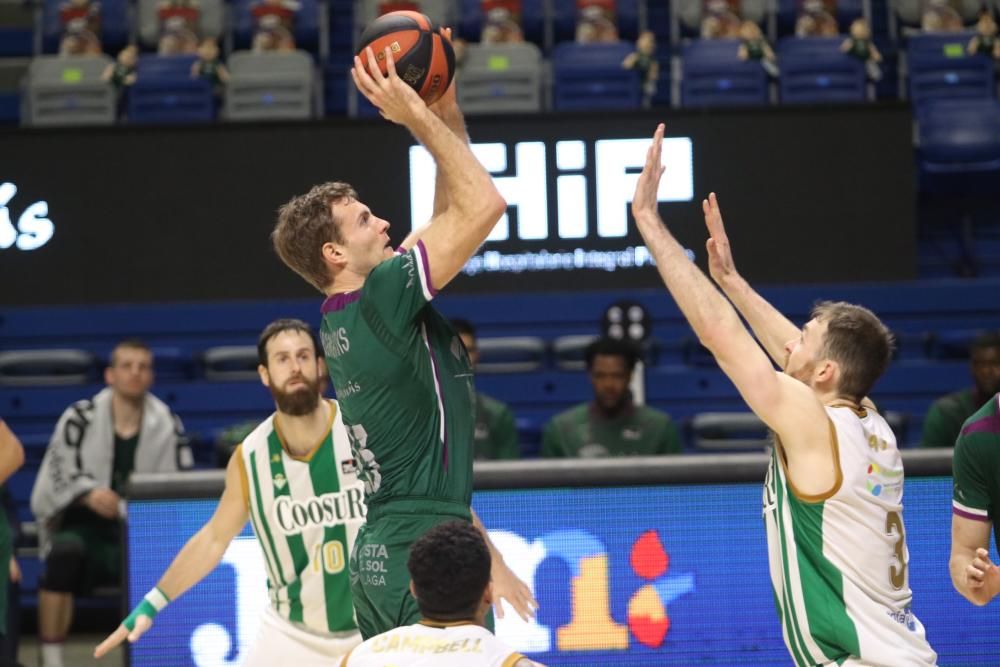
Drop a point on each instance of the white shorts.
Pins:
(279, 642)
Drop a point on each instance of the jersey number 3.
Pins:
(897, 570)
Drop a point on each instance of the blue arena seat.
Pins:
(713, 75)
(590, 77)
(959, 136)
(165, 92)
(940, 68)
(814, 70)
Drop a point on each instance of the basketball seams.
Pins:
(424, 59)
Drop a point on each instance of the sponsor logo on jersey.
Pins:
(349, 467)
(410, 268)
(280, 482)
(336, 342)
(904, 617)
(881, 480)
(329, 509)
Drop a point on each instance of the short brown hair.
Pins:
(858, 341)
(304, 225)
(128, 344)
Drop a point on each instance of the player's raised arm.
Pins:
(771, 328)
(194, 561)
(786, 405)
(473, 203)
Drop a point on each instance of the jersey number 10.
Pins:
(329, 556)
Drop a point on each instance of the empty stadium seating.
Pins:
(269, 86)
(713, 75)
(814, 70)
(165, 92)
(940, 68)
(68, 91)
(501, 78)
(591, 77)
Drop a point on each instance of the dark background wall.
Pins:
(185, 213)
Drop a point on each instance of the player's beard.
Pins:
(300, 401)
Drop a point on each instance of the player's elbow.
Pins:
(493, 206)
(714, 339)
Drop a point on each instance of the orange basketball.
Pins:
(423, 57)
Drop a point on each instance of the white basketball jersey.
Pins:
(839, 562)
(429, 644)
(306, 513)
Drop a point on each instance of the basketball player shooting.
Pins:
(401, 373)
(837, 551)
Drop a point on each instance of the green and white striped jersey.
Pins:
(839, 561)
(306, 513)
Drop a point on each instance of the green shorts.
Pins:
(100, 540)
(380, 582)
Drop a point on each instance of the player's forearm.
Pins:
(770, 327)
(192, 564)
(469, 187)
(455, 121)
(708, 312)
(495, 556)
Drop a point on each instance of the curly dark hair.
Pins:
(613, 347)
(450, 568)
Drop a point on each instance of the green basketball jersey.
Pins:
(976, 467)
(306, 513)
(583, 431)
(404, 383)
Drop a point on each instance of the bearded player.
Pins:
(288, 478)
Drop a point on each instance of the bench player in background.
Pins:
(299, 458)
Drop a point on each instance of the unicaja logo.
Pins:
(33, 230)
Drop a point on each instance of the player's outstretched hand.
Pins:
(394, 98)
(142, 623)
(720, 255)
(645, 200)
(506, 586)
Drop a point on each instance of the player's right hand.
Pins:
(720, 255)
(103, 502)
(394, 98)
(142, 623)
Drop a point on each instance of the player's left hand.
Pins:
(646, 187)
(506, 586)
(446, 105)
